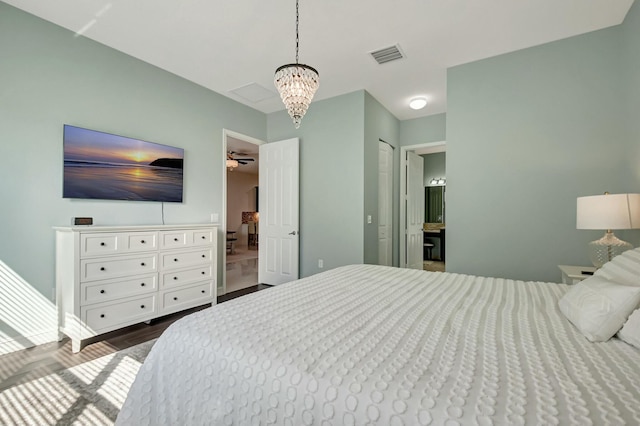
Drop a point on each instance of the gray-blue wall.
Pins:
(48, 78)
(631, 77)
(527, 133)
(331, 179)
(432, 128)
(379, 124)
(339, 178)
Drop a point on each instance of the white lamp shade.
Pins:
(610, 211)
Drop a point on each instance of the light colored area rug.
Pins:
(87, 394)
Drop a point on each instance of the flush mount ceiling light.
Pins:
(418, 103)
(297, 83)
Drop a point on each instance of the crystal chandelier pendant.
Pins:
(297, 83)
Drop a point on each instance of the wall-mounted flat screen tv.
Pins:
(103, 166)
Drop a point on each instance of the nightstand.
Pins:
(575, 274)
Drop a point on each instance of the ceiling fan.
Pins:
(231, 156)
(233, 162)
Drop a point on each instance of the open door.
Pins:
(278, 250)
(415, 211)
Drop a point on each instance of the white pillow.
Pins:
(599, 308)
(630, 332)
(623, 269)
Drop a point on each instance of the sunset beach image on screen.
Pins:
(105, 166)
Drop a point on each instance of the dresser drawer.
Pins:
(112, 267)
(175, 239)
(186, 238)
(101, 244)
(203, 237)
(174, 279)
(141, 241)
(102, 318)
(192, 296)
(102, 291)
(181, 259)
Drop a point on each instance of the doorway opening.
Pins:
(241, 215)
(432, 241)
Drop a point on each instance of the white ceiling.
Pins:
(227, 45)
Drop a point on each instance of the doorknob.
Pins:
(292, 233)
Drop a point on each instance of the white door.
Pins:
(279, 221)
(415, 211)
(385, 207)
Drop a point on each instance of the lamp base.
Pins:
(606, 248)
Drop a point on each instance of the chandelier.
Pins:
(297, 83)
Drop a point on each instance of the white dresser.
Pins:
(109, 277)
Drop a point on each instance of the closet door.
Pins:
(385, 206)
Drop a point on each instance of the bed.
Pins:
(377, 345)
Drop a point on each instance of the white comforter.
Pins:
(377, 345)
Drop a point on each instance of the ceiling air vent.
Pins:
(387, 54)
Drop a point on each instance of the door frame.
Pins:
(420, 149)
(222, 235)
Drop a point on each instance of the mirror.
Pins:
(434, 204)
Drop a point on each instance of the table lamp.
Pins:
(608, 212)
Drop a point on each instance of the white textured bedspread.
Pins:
(377, 345)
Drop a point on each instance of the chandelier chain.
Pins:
(297, 35)
(296, 83)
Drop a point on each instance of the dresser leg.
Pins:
(75, 345)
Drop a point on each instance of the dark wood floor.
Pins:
(33, 363)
